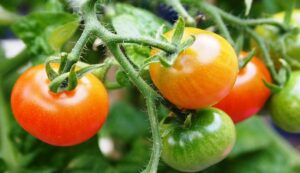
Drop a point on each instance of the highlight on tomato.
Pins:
(61, 119)
(204, 139)
(202, 75)
(285, 105)
(249, 93)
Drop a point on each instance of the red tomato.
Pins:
(62, 119)
(202, 75)
(249, 93)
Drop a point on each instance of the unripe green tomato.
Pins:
(272, 35)
(285, 105)
(206, 141)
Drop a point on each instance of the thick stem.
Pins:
(74, 55)
(167, 47)
(209, 9)
(265, 52)
(144, 88)
(8, 152)
(156, 149)
(177, 5)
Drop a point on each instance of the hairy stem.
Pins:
(265, 52)
(144, 88)
(209, 9)
(167, 47)
(238, 21)
(156, 149)
(74, 55)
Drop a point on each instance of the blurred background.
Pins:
(124, 143)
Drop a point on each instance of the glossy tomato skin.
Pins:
(208, 140)
(272, 34)
(202, 75)
(249, 93)
(285, 105)
(63, 119)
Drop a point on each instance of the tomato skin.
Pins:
(202, 75)
(249, 93)
(208, 140)
(271, 35)
(62, 119)
(285, 105)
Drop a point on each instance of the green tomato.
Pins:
(285, 105)
(202, 142)
(272, 35)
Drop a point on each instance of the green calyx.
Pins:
(67, 81)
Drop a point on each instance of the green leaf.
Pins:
(61, 34)
(137, 53)
(122, 78)
(248, 4)
(187, 43)
(38, 28)
(246, 130)
(3, 166)
(124, 116)
(132, 21)
(179, 31)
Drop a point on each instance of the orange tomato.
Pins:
(62, 119)
(202, 75)
(249, 93)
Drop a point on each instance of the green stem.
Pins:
(177, 5)
(7, 152)
(150, 95)
(9, 65)
(211, 10)
(144, 88)
(112, 85)
(156, 149)
(265, 52)
(74, 55)
(167, 47)
(238, 21)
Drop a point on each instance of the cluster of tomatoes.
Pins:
(204, 75)
(205, 78)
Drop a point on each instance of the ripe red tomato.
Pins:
(249, 93)
(62, 119)
(202, 75)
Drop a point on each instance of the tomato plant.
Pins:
(249, 93)
(202, 74)
(182, 72)
(290, 42)
(203, 140)
(62, 119)
(285, 105)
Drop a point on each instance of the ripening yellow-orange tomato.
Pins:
(202, 74)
